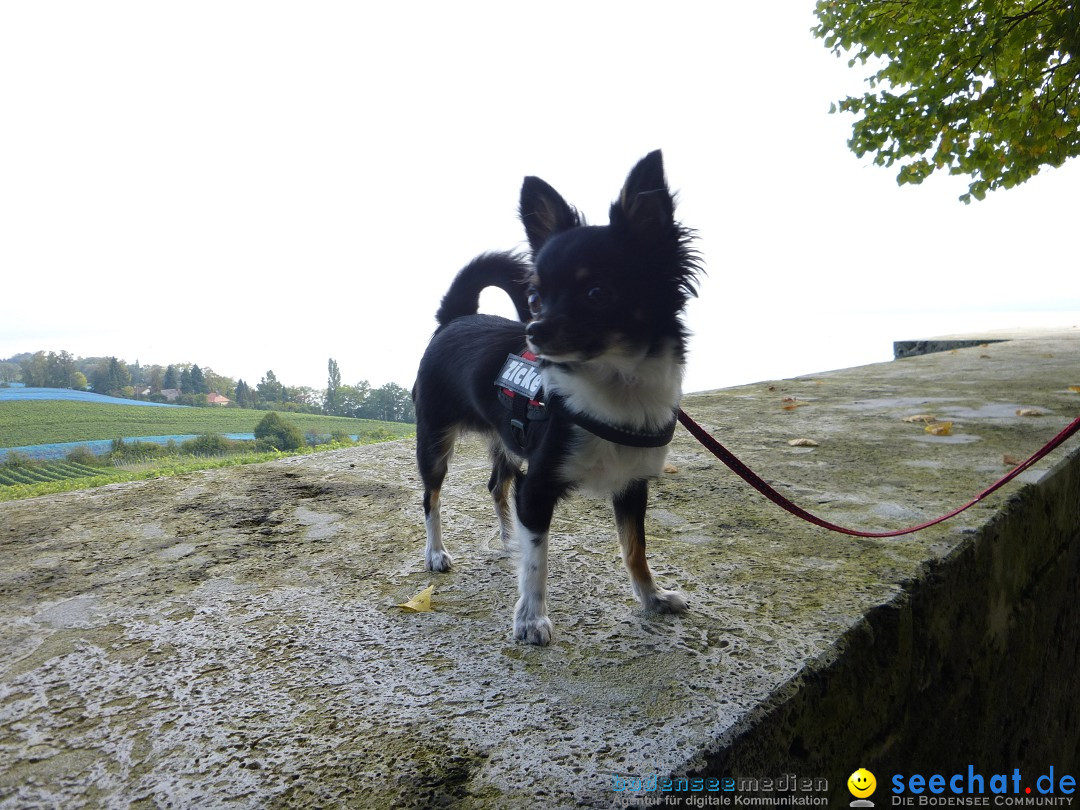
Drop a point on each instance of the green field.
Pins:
(44, 473)
(36, 422)
(51, 421)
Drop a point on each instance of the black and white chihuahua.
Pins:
(600, 311)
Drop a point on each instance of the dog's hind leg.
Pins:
(504, 472)
(433, 459)
(630, 506)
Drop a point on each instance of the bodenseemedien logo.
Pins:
(862, 785)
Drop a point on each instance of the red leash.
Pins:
(754, 480)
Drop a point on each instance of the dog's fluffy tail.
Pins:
(507, 271)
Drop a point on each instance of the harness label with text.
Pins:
(520, 375)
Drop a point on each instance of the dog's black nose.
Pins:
(534, 331)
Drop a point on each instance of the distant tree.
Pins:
(194, 400)
(9, 372)
(111, 377)
(354, 399)
(984, 88)
(155, 378)
(389, 403)
(278, 433)
(34, 370)
(225, 386)
(60, 370)
(304, 397)
(171, 378)
(332, 401)
(270, 390)
(185, 380)
(244, 396)
(198, 381)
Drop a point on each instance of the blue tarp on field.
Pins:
(22, 394)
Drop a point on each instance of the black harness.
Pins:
(522, 393)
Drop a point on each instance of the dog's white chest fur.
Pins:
(636, 394)
(598, 467)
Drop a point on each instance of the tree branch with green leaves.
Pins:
(984, 88)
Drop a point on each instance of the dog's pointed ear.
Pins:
(645, 205)
(544, 212)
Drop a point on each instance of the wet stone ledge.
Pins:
(232, 638)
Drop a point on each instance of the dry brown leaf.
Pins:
(1011, 460)
(921, 417)
(791, 403)
(670, 468)
(939, 429)
(421, 603)
(1075, 389)
(802, 443)
(1029, 412)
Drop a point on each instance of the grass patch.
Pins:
(30, 479)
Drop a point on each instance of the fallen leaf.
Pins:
(802, 443)
(939, 429)
(1029, 412)
(670, 468)
(421, 603)
(1011, 460)
(1075, 389)
(921, 417)
(791, 403)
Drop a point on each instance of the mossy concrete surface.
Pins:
(232, 638)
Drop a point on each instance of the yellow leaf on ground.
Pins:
(1075, 389)
(421, 603)
(939, 429)
(1029, 412)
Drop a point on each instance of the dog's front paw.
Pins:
(529, 626)
(437, 560)
(662, 601)
(534, 631)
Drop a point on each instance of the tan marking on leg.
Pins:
(632, 540)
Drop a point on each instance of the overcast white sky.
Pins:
(261, 185)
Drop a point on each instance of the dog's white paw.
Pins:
(530, 627)
(438, 560)
(662, 601)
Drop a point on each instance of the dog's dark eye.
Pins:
(535, 305)
(598, 297)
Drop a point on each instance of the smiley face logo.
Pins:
(861, 783)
